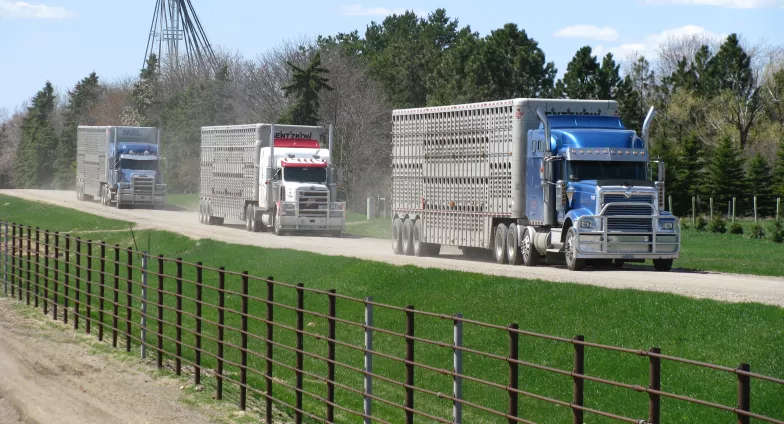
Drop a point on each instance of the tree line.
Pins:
(720, 103)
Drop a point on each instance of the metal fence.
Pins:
(286, 347)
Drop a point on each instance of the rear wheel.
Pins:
(201, 212)
(570, 248)
(499, 250)
(512, 246)
(408, 233)
(530, 254)
(397, 236)
(662, 265)
(419, 248)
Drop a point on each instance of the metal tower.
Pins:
(176, 34)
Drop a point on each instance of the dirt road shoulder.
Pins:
(50, 373)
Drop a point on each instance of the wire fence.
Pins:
(324, 357)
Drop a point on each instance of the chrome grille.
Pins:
(142, 184)
(626, 209)
(643, 225)
(637, 198)
(313, 203)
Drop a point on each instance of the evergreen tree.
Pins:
(608, 79)
(146, 97)
(37, 149)
(579, 81)
(759, 182)
(778, 170)
(80, 99)
(514, 65)
(725, 178)
(305, 84)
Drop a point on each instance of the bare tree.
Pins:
(674, 49)
(361, 114)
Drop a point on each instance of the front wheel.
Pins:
(570, 249)
(662, 265)
(278, 228)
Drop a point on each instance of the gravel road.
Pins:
(723, 287)
(48, 376)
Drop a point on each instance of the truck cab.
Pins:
(300, 191)
(595, 190)
(136, 178)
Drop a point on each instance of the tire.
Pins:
(248, 223)
(278, 229)
(397, 236)
(529, 253)
(513, 254)
(201, 212)
(407, 235)
(417, 246)
(662, 265)
(499, 244)
(572, 263)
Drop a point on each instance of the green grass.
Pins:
(703, 330)
(357, 224)
(187, 201)
(53, 218)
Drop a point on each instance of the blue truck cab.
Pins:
(591, 193)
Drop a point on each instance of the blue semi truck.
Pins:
(529, 180)
(120, 166)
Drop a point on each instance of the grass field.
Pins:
(704, 330)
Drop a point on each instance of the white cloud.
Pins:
(359, 10)
(731, 4)
(21, 10)
(588, 31)
(648, 46)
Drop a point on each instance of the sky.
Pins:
(62, 41)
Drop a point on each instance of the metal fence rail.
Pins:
(285, 346)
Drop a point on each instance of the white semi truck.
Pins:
(527, 179)
(120, 166)
(271, 176)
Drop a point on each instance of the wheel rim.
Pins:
(569, 248)
(417, 245)
(527, 247)
(499, 244)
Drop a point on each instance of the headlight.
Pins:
(289, 206)
(667, 224)
(590, 223)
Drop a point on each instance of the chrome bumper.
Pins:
(601, 243)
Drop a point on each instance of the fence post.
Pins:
(66, 278)
(734, 211)
(46, 272)
(410, 364)
(778, 207)
(5, 260)
(331, 336)
(693, 211)
(13, 259)
(244, 343)
(368, 404)
(270, 328)
(21, 264)
(77, 289)
(755, 209)
(221, 303)
(300, 348)
(88, 287)
(178, 328)
(744, 394)
(654, 405)
(197, 353)
(711, 208)
(514, 355)
(129, 295)
(37, 267)
(159, 356)
(56, 283)
(579, 383)
(101, 290)
(116, 307)
(457, 361)
(145, 264)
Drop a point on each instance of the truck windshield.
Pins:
(305, 175)
(606, 171)
(142, 165)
